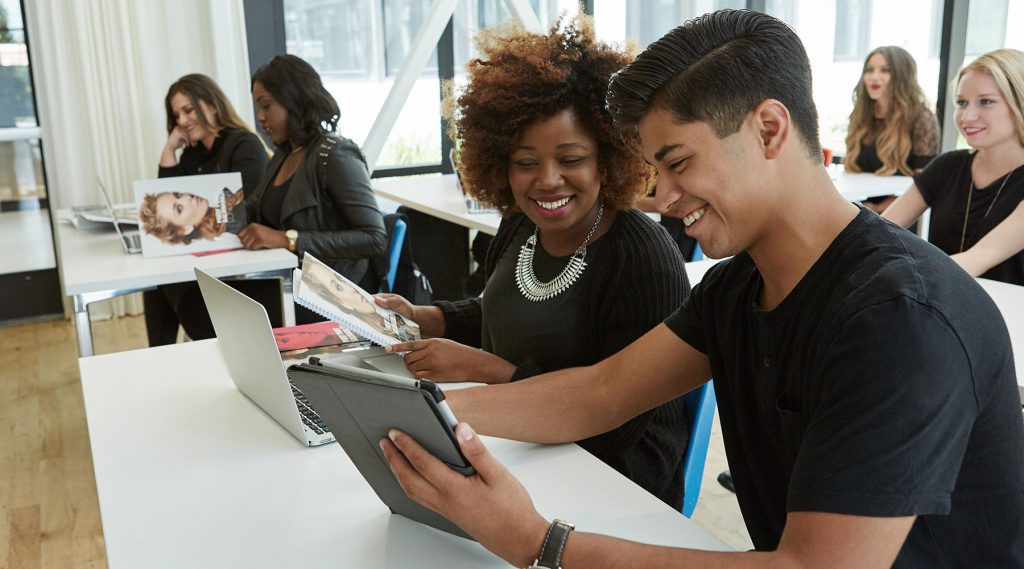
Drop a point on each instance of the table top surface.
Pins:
(859, 187)
(92, 260)
(440, 197)
(190, 473)
(1010, 300)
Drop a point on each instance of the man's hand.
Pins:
(491, 505)
(256, 236)
(442, 360)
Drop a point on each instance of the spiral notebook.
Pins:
(322, 290)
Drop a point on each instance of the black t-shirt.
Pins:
(882, 385)
(273, 203)
(945, 184)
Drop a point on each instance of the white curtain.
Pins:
(102, 69)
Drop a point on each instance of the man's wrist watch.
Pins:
(293, 239)
(550, 556)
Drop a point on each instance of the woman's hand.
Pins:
(430, 319)
(256, 236)
(398, 303)
(441, 360)
(178, 138)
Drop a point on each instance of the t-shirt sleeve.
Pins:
(936, 174)
(687, 323)
(894, 418)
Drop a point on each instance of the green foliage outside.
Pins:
(5, 34)
(410, 150)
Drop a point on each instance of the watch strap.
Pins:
(293, 239)
(554, 544)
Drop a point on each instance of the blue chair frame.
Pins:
(395, 251)
(700, 406)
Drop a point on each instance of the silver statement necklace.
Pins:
(535, 290)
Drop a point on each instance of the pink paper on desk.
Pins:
(205, 253)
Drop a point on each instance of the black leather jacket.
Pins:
(332, 206)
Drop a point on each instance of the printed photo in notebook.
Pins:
(322, 290)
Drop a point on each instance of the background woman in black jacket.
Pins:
(202, 120)
(315, 195)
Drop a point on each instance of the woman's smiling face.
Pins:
(554, 175)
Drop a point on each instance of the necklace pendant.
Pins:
(532, 288)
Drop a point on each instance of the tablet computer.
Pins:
(360, 405)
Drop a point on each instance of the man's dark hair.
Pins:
(297, 87)
(716, 69)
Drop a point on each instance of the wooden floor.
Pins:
(49, 516)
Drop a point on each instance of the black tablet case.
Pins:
(360, 412)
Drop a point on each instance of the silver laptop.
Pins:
(131, 242)
(254, 362)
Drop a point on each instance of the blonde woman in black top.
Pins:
(976, 195)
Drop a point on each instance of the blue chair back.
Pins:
(700, 406)
(698, 254)
(395, 251)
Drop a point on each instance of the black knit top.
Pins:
(634, 279)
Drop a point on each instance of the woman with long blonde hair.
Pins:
(977, 195)
(892, 131)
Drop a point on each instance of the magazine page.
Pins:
(313, 335)
(190, 214)
(331, 295)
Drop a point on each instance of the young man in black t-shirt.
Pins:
(868, 401)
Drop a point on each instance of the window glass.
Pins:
(16, 106)
(986, 26)
(992, 24)
(21, 164)
(23, 197)
(471, 16)
(358, 47)
(837, 52)
(853, 18)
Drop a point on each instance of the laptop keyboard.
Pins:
(309, 417)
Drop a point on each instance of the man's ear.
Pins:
(773, 124)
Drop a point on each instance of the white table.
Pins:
(438, 196)
(859, 187)
(93, 267)
(190, 473)
(1010, 300)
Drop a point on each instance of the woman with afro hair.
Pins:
(574, 273)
